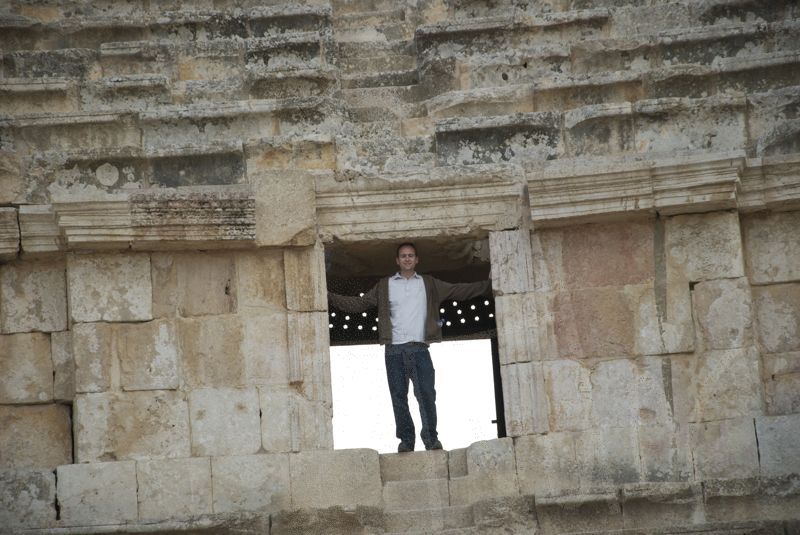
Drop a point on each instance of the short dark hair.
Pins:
(405, 244)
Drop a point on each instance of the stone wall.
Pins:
(171, 173)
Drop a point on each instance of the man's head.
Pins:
(407, 258)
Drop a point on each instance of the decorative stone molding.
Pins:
(770, 183)
(9, 233)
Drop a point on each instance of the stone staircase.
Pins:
(416, 495)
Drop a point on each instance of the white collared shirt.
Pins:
(408, 308)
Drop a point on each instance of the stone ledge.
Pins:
(9, 234)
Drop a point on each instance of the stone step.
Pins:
(429, 520)
(385, 33)
(415, 494)
(369, 19)
(454, 531)
(372, 48)
(358, 6)
(417, 465)
(382, 79)
(378, 64)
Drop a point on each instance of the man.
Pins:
(408, 321)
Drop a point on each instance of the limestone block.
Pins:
(608, 456)
(547, 464)
(415, 494)
(305, 279)
(665, 452)
(93, 348)
(778, 445)
(174, 488)
(569, 394)
(491, 457)
(11, 181)
(148, 355)
(251, 483)
(491, 473)
(97, 493)
(512, 261)
(285, 206)
(724, 312)
(26, 368)
(524, 398)
(548, 267)
(417, 465)
(781, 374)
(517, 328)
(291, 422)
(345, 478)
(748, 499)
(37, 437)
(651, 506)
(594, 322)
(224, 421)
(778, 317)
(309, 355)
(260, 280)
(178, 276)
(663, 315)
(27, 498)
(9, 228)
(109, 287)
(264, 348)
(578, 513)
(63, 366)
(772, 251)
(131, 425)
(717, 385)
(653, 378)
(615, 393)
(704, 246)
(724, 449)
(33, 296)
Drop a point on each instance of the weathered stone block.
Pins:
(276, 418)
(778, 444)
(343, 478)
(517, 332)
(724, 312)
(772, 251)
(417, 465)
(415, 494)
(27, 498)
(9, 227)
(781, 374)
(63, 366)
(291, 422)
(778, 317)
(717, 385)
(309, 355)
(178, 276)
(224, 421)
(97, 493)
(580, 512)
(11, 182)
(547, 464)
(148, 355)
(174, 488)
(26, 368)
(133, 425)
(569, 393)
(285, 207)
(654, 505)
(94, 351)
(665, 452)
(512, 261)
(260, 280)
(305, 279)
(109, 287)
(704, 246)
(491, 473)
(251, 483)
(724, 449)
(608, 456)
(38, 437)
(525, 398)
(594, 322)
(33, 297)
(615, 394)
(748, 499)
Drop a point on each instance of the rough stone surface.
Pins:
(35, 437)
(177, 278)
(782, 382)
(26, 368)
(33, 297)
(778, 317)
(224, 421)
(260, 280)
(724, 311)
(27, 498)
(778, 449)
(149, 356)
(724, 449)
(705, 246)
(251, 483)
(97, 493)
(106, 287)
(305, 279)
(511, 259)
(174, 488)
(309, 356)
(772, 252)
(63, 366)
(345, 478)
(94, 351)
(113, 426)
(292, 422)
(285, 207)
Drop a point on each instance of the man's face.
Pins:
(407, 258)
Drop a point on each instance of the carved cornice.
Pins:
(9, 233)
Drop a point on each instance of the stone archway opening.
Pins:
(469, 392)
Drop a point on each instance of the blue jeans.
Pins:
(406, 362)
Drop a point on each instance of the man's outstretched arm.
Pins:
(354, 303)
(464, 290)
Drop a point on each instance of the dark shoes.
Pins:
(435, 446)
(404, 448)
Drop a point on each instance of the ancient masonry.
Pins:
(171, 173)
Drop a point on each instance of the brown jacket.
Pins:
(436, 291)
